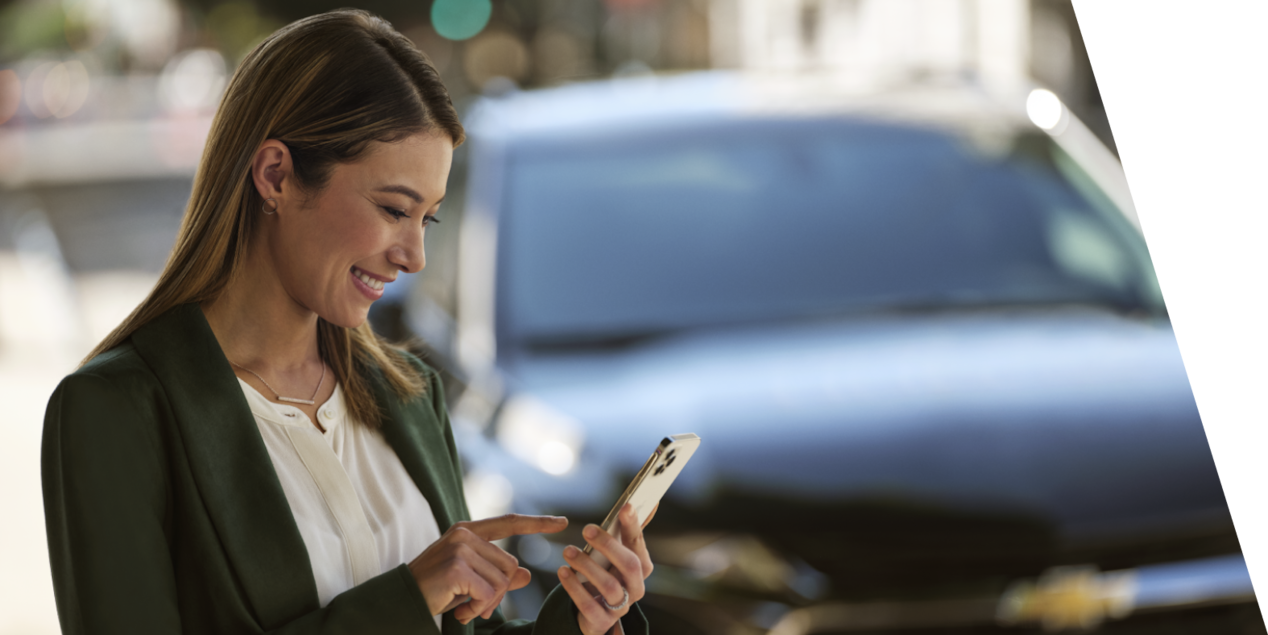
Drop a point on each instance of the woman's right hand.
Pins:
(465, 564)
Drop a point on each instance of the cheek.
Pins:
(316, 258)
(342, 240)
(357, 243)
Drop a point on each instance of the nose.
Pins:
(407, 254)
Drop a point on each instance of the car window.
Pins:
(755, 221)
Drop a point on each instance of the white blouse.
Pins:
(357, 509)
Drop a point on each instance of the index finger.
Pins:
(515, 525)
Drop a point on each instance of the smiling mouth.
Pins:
(377, 285)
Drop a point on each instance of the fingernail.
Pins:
(564, 573)
(591, 531)
(570, 551)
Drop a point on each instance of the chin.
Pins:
(346, 319)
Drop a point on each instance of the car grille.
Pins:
(802, 567)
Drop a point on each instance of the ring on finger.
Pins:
(604, 601)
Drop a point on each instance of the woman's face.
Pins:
(336, 250)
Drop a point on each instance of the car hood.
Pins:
(1080, 417)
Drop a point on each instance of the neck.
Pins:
(259, 326)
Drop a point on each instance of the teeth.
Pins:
(369, 282)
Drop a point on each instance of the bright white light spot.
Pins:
(193, 80)
(1044, 108)
(148, 29)
(540, 434)
(488, 494)
(555, 458)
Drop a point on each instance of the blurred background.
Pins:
(104, 108)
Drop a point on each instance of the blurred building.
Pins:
(997, 43)
(66, 59)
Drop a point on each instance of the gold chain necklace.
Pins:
(307, 402)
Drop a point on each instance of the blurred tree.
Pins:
(31, 25)
(237, 26)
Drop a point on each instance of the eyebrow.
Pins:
(401, 189)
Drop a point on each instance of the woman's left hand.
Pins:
(631, 564)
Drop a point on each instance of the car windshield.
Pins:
(641, 234)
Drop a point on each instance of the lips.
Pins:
(370, 285)
(370, 281)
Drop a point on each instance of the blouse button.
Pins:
(328, 413)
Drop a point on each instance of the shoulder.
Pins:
(106, 421)
(121, 363)
(117, 382)
(121, 367)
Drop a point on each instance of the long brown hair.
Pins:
(326, 86)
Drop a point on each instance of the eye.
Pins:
(394, 213)
(429, 219)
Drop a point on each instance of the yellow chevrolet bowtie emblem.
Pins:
(1066, 598)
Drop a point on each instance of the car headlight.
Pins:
(540, 434)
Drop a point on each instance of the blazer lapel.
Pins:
(230, 465)
(417, 436)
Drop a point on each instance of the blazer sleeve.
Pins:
(558, 615)
(105, 496)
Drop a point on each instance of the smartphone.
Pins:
(649, 485)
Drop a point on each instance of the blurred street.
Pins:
(49, 315)
(26, 590)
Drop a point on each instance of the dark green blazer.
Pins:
(164, 513)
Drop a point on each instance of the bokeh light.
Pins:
(35, 89)
(10, 94)
(460, 19)
(1044, 108)
(495, 54)
(65, 88)
(556, 458)
(558, 54)
(193, 80)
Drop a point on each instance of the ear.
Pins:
(272, 172)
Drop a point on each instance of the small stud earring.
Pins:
(265, 207)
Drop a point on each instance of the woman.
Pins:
(243, 455)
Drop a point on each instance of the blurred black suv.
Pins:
(920, 337)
